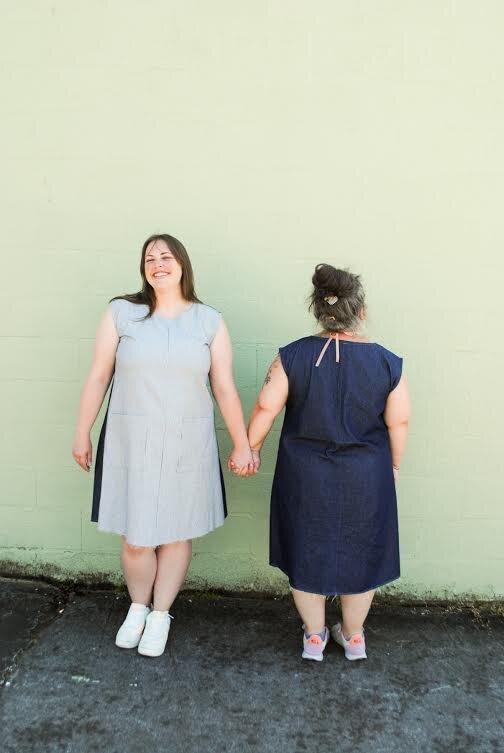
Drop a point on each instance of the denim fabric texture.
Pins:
(333, 519)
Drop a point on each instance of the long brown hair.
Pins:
(147, 295)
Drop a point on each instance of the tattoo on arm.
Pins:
(268, 375)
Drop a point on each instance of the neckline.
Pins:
(174, 318)
(353, 342)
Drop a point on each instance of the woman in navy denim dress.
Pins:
(333, 524)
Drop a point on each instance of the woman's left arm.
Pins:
(226, 395)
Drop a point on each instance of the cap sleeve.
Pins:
(395, 364)
(118, 309)
(211, 322)
(287, 353)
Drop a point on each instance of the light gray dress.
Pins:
(157, 473)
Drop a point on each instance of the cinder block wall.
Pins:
(268, 135)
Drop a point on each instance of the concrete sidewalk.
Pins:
(232, 679)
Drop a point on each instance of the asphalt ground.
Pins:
(232, 678)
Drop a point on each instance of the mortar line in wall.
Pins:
(31, 337)
(40, 379)
(12, 467)
(65, 338)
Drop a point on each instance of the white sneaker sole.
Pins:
(128, 644)
(355, 658)
(151, 652)
(304, 655)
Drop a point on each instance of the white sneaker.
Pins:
(130, 632)
(155, 635)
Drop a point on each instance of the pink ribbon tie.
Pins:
(331, 337)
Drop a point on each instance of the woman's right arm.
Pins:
(396, 415)
(95, 388)
(270, 402)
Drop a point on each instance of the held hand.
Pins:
(240, 461)
(82, 451)
(256, 457)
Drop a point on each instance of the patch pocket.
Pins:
(126, 441)
(196, 442)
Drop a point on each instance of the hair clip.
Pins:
(331, 299)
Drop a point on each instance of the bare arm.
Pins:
(396, 415)
(94, 389)
(269, 404)
(226, 395)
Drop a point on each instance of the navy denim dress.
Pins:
(333, 522)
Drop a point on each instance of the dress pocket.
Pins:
(126, 441)
(197, 439)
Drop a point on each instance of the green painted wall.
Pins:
(268, 136)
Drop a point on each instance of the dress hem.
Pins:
(337, 593)
(170, 541)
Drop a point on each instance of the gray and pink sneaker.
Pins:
(314, 645)
(355, 646)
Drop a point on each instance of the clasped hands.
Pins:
(244, 461)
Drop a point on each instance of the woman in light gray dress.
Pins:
(158, 481)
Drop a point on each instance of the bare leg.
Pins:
(173, 562)
(355, 609)
(139, 567)
(311, 608)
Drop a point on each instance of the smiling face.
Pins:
(162, 270)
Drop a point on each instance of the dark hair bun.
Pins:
(329, 282)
